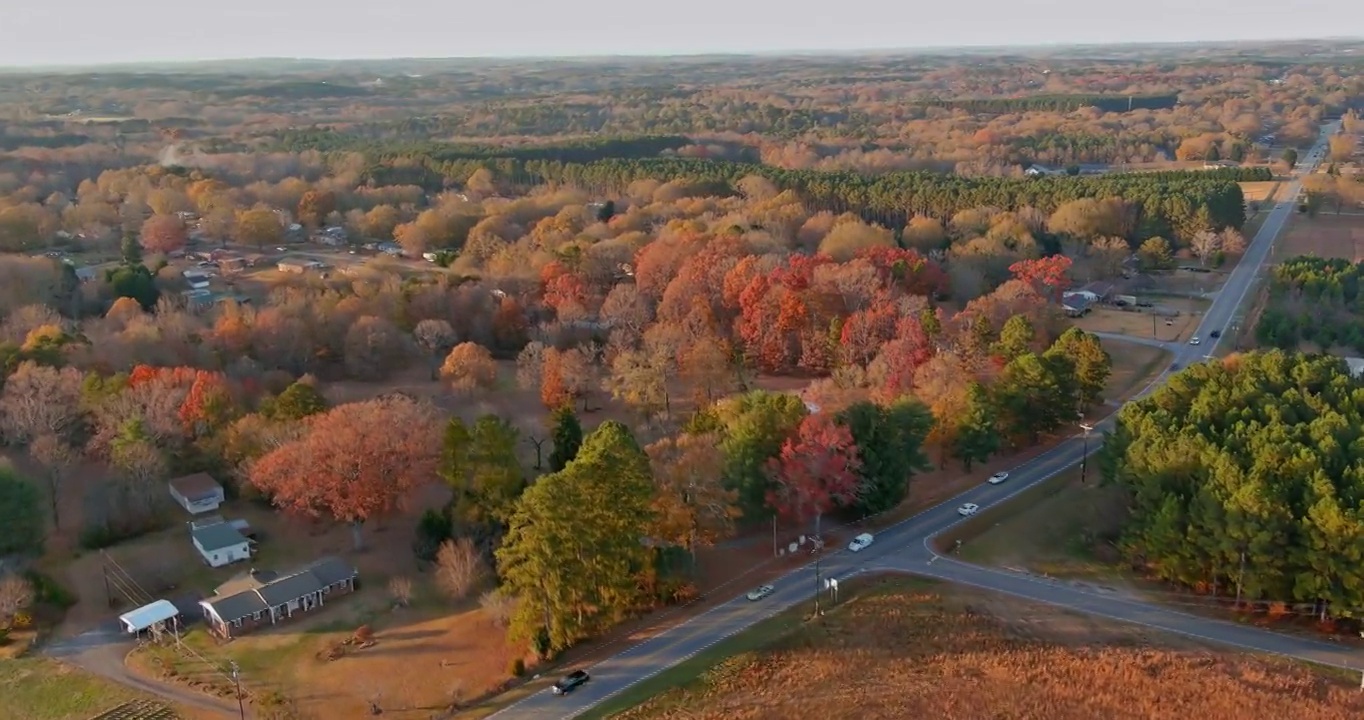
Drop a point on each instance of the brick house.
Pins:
(258, 598)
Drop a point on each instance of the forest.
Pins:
(1313, 300)
(1245, 480)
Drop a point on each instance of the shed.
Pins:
(197, 493)
(148, 617)
(221, 544)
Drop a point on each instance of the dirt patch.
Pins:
(1258, 192)
(896, 652)
(1327, 236)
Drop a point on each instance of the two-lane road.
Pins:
(906, 546)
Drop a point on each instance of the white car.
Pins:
(860, 542)
(1194, 340)
(998, 478)
(760, 592)
(968, 509)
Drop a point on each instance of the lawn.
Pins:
(43, 689)
(903, 648)
(1327, 236)
(1145, 322)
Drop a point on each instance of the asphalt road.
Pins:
(906, 547)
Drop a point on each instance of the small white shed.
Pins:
(197, 493)
(148, 617)
(221, 544)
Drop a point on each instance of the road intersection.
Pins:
(907, 546)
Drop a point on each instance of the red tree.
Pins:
(815, 472)
(163, 234)
(208, 405)
(907, 269)
(510, 326)
(355, 462)
(1050, 276)
(554, 390)
(901, 358)
(865, 332)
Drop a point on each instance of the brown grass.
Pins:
(1139, 324)
(1327, 236)
(905, 652)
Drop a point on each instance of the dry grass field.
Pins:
(1326, 235)
(1258, 192)
(902, 648)
(1145, 323)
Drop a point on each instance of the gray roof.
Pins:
(218, 536)
(292, 586)
(196, 486)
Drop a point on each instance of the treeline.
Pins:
(1179, 203)
(1056, 103)
(1245, 478)
(1313, 300)
(567, 151)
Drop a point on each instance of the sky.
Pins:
(82, 32)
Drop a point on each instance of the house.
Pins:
(86, 274)
(1036, 170)
(221, 544)
(197, 493)
(256, 598)
(298, 266)
(1095, 292)
(197, 279)
(1075, 304)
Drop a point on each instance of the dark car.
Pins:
(1215, 333)
(570, 682)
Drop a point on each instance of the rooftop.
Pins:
(148, 615)
(217, 537)
(252, 592)
(196, 486)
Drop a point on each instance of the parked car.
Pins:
(998, 478)
(570, 682)
(968, 509)
(860, 542)
(760, 592)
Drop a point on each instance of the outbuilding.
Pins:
(221, 544)
(149, 618)
(197, 493)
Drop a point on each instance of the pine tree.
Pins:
(568, 437)
(977, 437)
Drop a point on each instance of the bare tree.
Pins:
(400, 588)
(529, 365)
(498, 605)
(436, 337)
(39, 400)
(58, 460)
(15, 595)
(1204, 245)
(459, 567)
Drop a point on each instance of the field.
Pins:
(900, 648)
(40, 689)
(1144, 322)
(1327, 236)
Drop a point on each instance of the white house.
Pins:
(197, 279)
(197, 493)
(221, 544)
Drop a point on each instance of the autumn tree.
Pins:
(1205, 245)
(315, 205)
(163, 234)
(573, 552)
(1049, 276)
(693, 508)
(816, 471)
(639, 378)
(373, 347)
(38, 400)
(469, 367)
(1089, 362)
(364, 460)
(459, 568)
(57, 460)
(567, 435)
(299, 400)
(259, 227)
(1156, 254)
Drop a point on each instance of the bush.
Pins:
(517, 667)
(47, 591)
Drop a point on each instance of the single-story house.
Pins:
(298, 266)
(1096, 291)
(197, 493)
(197, 280)
(1075, 304)
(1036, 170)
(221, 544)
(149, 617)
(266, 598)
(242, 526)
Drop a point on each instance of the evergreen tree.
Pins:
(567, 436)
(976, 438)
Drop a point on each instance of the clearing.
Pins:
(1147, 322)
(1327, 236)
(906, 648)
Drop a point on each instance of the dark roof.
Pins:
(278, 591)
(196, 486)
(217, 536)
(236, 607)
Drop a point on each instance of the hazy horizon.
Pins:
(157, 31)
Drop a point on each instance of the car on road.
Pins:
(860, 542)
(998, 478)
(760, 592)
(1194, 340)
(1215, 334)
(571, 681)
(968, 509)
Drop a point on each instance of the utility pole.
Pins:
(1240, 577)
(237, 679)
(774, 535)
(818, 588)
(1084, 459)
(108, 595)
(1153, 327)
